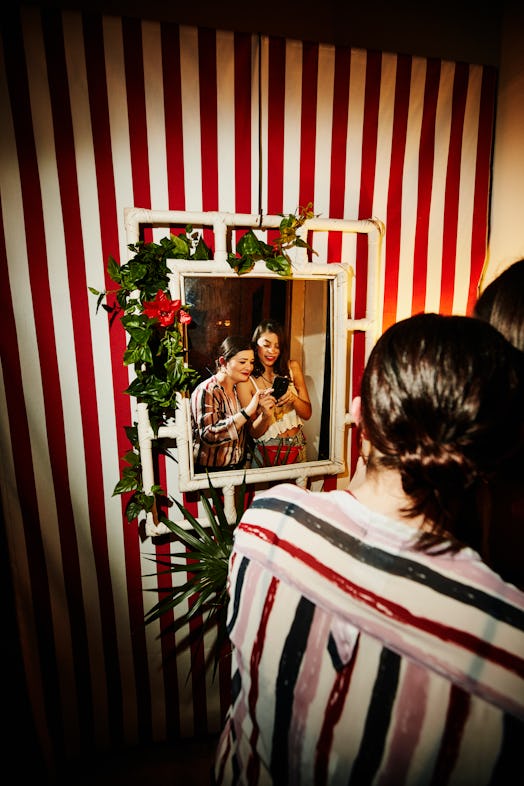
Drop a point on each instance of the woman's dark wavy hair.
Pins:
(442, 403)
(230, 347)
(282, 364)
(502, 304)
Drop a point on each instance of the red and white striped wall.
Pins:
(100, 113)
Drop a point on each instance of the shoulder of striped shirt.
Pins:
(466, 566)
(427, 615)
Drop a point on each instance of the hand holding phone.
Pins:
(280, 386)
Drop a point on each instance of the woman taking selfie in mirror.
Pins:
(277, 432)
(218, 418)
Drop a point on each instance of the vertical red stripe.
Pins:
(243, 132)
(256, 654)
(207, 60)
(16, 402)
(162, 553)
(171, 76)
(482, 181)
(425, 179)
(450, 228)
(337, 186)
(456, 719)
(308, 126)
(274, 167)
(367, 184)
(79, 294)
(198, 686)
(332, 715)
(109, 222)
(136, 108)
(370, 133)
(394, 201)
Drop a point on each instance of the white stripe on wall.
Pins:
(88, 202)
(191, 120)
(410, 188)
(468, 172)
(118, 126)
(226, 121)
(293, 111)
(438, 192)
(323, 142)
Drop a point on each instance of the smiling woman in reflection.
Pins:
(277, 431)
(219, 420)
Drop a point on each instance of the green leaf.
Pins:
(287, 221)
(280, 265)
(137, 354)
(99, 301)
(134, 508)
(140, 334)
(240, 265)
(127, 482)
(185, 535)
(132, 458)
(179, 247)
(217, 502)
(132, 434)
(250, 246)
(113, 270)
(202, 251)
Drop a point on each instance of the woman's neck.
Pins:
(381, 491)
(225, 381)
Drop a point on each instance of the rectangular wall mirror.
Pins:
(312, 307)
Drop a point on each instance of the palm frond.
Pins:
(205, 562)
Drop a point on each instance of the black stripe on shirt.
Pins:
(288, 670)
(396, 565)
(378, 719)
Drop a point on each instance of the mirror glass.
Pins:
(309, 306)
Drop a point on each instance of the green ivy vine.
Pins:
(155, 326)
(156, 348)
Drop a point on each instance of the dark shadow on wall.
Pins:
(19, 739)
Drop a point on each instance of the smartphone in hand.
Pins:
(280, 386)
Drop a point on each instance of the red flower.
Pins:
(162, 308)
(184, 318)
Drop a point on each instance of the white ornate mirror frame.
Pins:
(338, 278)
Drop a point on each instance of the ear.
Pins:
(356, 409)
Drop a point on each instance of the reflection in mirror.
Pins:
(332, 348)
(312, 307)
(235, 306)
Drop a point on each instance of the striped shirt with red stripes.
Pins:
(358, 660)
